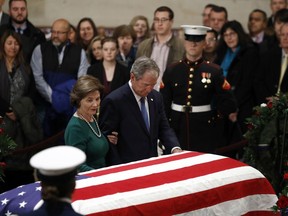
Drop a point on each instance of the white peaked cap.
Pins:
(58, 160)
(195, 29)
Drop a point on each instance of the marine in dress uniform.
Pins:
(194, 93)
(57, 175)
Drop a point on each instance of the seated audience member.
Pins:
(238, 57)
(125, 36)
(210, 50)
(205, 14)
(82, 130)
(136, 112)
(4, 17)
(218, 16)
(72, 34)
(86, 31)
(140, 25)
(111, 73)
(94, 51)
(101, 31)
(56, 66)
(281, 17)
(275, 6)
(272, 76)
(17, 109)
(57, 176)
(257, 24)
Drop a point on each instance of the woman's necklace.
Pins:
(99, 132)
(9, 64)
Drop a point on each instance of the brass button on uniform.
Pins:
(189, 97)
(190, 82)
(190, 90)
(191, 76)
(191, 69)
(188, 104)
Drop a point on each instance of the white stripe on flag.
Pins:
(146, 170)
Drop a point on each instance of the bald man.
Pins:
(56, 66)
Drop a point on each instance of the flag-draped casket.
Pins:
(188, 183)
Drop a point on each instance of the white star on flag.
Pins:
(38, 188)
(8, 213)
(22, 204)
(22, 193)
(5, 201)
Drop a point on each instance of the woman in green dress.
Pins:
(82, 130)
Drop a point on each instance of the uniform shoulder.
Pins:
(172, 65)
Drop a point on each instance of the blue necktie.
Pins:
(144, 112)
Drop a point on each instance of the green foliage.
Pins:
(7, 145)
(267, 137)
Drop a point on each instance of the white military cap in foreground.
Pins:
(59, 160)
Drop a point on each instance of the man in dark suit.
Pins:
(121, 111)
(272, 75)
(257, 24)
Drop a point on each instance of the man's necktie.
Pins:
(144, 112)
(19, 30)
(283, 69)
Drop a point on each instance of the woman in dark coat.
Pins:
(17, 109)
(238, 57)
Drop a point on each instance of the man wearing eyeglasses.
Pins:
(56, 66)
(164, 48)
(191, 88)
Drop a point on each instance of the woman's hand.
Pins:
(113, 137)
(11, 115)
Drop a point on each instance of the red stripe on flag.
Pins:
(198, 200)
(155, 179)
(154, 161)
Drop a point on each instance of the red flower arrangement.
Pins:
(7, 144)
(282, 203)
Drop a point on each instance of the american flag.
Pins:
(188, 183)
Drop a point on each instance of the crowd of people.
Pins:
(148, 87)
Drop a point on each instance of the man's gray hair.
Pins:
(143, 65)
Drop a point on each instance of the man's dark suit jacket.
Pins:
(268, 74)
(120, 112)
(4, 19)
